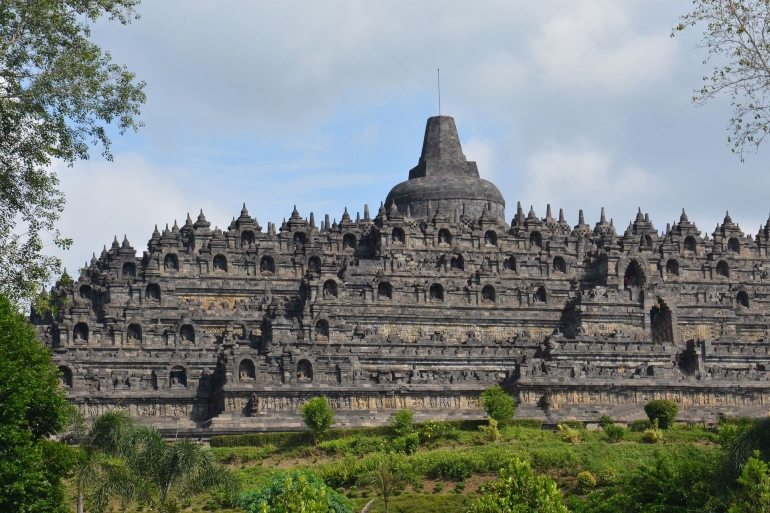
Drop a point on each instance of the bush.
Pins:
(662, 409)
(606, 420)
(607, 476)
(407, 444)
(438, 487)
(653, 435)
(519, 487)
(498, 403)
(640, 425)
(402, 422)
(585, 481)
(614, 433)
(568, 434)
(490, 431)
(317, 416)
(574, 424)
(433, 431)
(525, 423)
(753, 492)
(299, 490)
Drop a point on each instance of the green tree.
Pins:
(318, 416)
(662, 409)
(735, 33)
(753, 494)
(299, 491)
(740, 443)
(100, 470)
(519, 491)
(32, 408)
(164, 473)
(58, 93)
(672, 484)
(498, 403)
(388, 473)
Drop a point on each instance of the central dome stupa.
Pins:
(444, 178)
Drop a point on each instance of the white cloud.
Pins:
(576, 179)
(594, 44)
(126, 197)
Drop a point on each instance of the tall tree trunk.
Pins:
(80, 501)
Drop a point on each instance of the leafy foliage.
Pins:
(753, 492)
(32, 407)
(519, 491)
(299, 491)
(164, 473)
(681, 484)
(614, 433)
(498, 403)
(491, 431)
(317, 415)
(58, 91)
(389, 474)
(654, 434)
(662, 409)
(568, 434)
(735, 34)
(606, 420)
(585, 481)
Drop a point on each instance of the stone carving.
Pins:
(423, 305)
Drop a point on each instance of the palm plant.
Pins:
(166, 472)
(100, 471)
(739, 445)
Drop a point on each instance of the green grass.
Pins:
(411, 502)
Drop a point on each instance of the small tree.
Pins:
(32, 408)
(498, 403)
(662, 409)
(402, 422)
(519, 490)
(491, 431)
(753, 487)
(388, 473)
(318, 416)
(297, 491)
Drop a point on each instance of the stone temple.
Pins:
(424, 305)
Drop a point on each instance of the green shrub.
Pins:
(753, 492)
(653, 435)
(607, 476)
(490, 431)
(519, 487)
(585, 482)
(317, 416)
(438, 487)
(498, 403)
(460, 487)
(606, 420)
(402, 422)
(524, 423)
(640, 425)
(574, 424)
(614, 433)
(290, 491)
(433, 431)
(407, 444)
(662, 409)
(568, 434)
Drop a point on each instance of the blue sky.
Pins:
(323, 104)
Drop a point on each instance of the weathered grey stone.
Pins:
(423, 306)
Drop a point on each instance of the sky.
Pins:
(322, 105)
